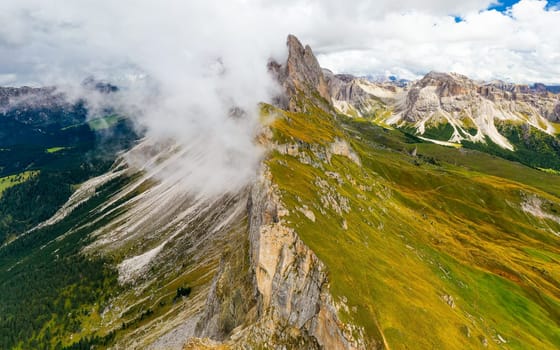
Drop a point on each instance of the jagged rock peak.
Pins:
(448, 84)
(301, 72)
(303, 67)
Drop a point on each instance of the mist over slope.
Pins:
(183, 68)
(181, 79)
(166, 264)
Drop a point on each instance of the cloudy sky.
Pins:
(182, 65)
(513, 40)
(40, 41)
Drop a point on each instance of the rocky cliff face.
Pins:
(293, 282)
(286, 301)
(454, 92)
(283, 300)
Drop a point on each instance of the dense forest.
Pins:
(44, 299)
(45, 153)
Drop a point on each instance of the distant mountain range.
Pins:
(449, 108)
(536, 87)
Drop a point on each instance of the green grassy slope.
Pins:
(56, 297)
(54, 149)
(104, 122)
(433, 251)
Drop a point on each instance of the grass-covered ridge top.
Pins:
(437, 249)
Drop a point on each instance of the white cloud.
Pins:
(6, 79)
(360, 36)
(182, 67)
(520, 45)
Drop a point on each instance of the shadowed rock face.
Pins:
(301, 73)
(344, 87)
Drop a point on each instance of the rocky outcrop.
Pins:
(342, 148)
(344, 94)
(447, 84)
(555, 115)
(292, 281)
(474, 108)
(301, 76)
(450, 92)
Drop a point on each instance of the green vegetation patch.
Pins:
(12, 180)
(440, 132)
(48, 286)
(55, 149)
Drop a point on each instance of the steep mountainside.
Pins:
(352, 236)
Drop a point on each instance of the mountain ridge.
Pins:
(352, 236)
